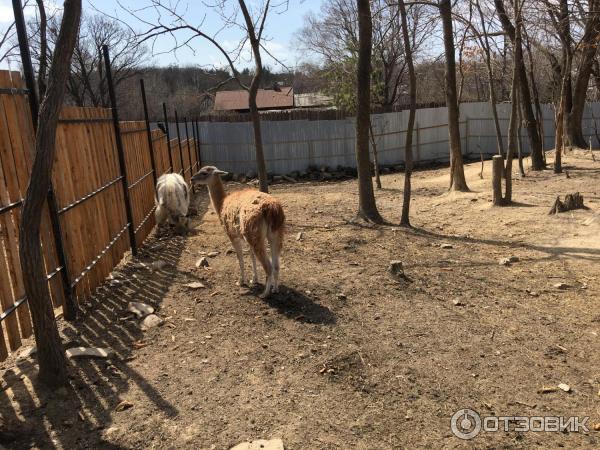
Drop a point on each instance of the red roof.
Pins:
(265, 99)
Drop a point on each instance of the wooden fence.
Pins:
(91, 190)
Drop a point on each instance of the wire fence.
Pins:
(103, 182)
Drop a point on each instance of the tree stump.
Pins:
(572, 201)
(497, 169)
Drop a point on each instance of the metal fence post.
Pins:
(120, 150)
(168, 136)
(195, 142)
(198, 144)
(179, 141)
(187, 138)
(148, 131)
(70, 307)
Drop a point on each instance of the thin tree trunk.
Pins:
(375, 157)
(367, 207)
(537, 159)
(589, 44)
(50, 352)
(254, 85)
(519, 138)
(536, 98)
(43, 62)
(513, 136)
(408, 156)
(457, 172)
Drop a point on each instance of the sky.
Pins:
(281, 27)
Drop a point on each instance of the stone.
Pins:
(341, 296)
(446, 246)
(213, 254)
(299, 236)
(151, 321)
(88, 352)
(195, 285)
(141, 310)
(564, 387)
(202, 262)
(561, 286)
(261, 444)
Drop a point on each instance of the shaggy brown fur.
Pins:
(250, 216)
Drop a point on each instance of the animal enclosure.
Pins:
(93, 192)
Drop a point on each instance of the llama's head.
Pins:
(207, 175)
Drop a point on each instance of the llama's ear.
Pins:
(220, 172)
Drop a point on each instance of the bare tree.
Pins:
(412, 80)
(535, 142)
(253, 26)
(50, 352)
(367, 208)
(457, 172)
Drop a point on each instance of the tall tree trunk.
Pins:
(457, 172)
(589, 44)
(490, 73)
(513, 139)
(535, 142)
(254, 85)
(43, 62)
(367, 208)
(408, 156)
(50, 353)
(536, 97)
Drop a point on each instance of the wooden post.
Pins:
(120, 151)
(497, 169)
(187, 140)
(198, 144)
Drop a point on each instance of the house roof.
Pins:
(265, 99)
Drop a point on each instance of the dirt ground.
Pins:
(345, 357)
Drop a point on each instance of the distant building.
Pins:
(312, 100)
(266, 99)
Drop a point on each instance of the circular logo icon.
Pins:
(465, 424)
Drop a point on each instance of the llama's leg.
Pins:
(237, 246)
(275, 243)
(261, 254)
(254, 279)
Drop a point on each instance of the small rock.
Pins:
(532, 293)
(195, 285)
(561, 286)
(299, 236)
(273, 444)
(508, 261)
(124, 405)
(212, 254)
(457, 302)
(141, 310)
(88, 352)
(158, 265)
(341, 296)
(548, 389)
(202, 262)
(151, 321)
(564, 387)
(446, 246)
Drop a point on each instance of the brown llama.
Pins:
(248, 215)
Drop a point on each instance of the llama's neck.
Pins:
(217, 194)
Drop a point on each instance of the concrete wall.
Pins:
(294, 145)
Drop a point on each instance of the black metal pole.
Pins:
(70, 307)
(148, 131)
(187, 139)
(179, 140)
(168, 137)
(120, 151)
(198, 144)
(195, 141)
